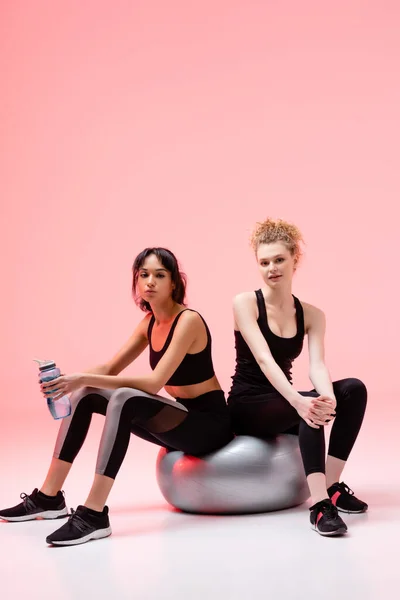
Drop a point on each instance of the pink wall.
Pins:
(126, 124)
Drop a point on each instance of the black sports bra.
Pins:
(194, 368)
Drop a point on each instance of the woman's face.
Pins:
(154, 281)
(276, 264)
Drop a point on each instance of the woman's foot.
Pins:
(83, 525)
(36, 505)
(345, 500)
(325, 519)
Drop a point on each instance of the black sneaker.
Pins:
(325, 519)
(36, 506)
(82, 526)
(345, 500)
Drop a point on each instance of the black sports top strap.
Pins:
(171, 331)
(150, 327)
(173, 326)
(299, 317)
(194, 368)
(262, 311)
(263, 318)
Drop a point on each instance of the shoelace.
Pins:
(78, 522)
(347, 489)
(28, 502)
(329, 510)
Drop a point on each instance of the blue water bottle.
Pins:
(60, 407)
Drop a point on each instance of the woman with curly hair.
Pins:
(197, 420)
(270, 326)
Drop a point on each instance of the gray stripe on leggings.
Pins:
(75, 398)
(113, 416)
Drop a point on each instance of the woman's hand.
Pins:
(65, 384)
(316, 411)
(326, 404)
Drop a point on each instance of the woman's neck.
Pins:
(278, 297)
(165, 313)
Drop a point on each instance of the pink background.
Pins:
(126, 124)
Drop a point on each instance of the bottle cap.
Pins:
(45, 364)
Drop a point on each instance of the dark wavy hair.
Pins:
(170, 263)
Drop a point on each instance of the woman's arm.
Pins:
(312, 410)
(245, 312)
(189, 327)
(318, 371)
(129, 352)
(185, 334)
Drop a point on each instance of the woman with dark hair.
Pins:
(196, 422)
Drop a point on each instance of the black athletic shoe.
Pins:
(325, 519)
(345, 500)
(81, 527)
(36, 506)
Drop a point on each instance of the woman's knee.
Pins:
(356, 389)
(120, 396)
(77, 396)
(311, 394)
(357, 384)
(313, 430)
(92, 400)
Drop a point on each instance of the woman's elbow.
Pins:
(153, 387)
(265, 362)
(316, 367)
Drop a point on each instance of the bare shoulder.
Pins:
(244, 308)
(190, 319)
(190, 327)
(144, 325)
(312, 315)
(244, 299)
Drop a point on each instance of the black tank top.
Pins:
(194, 368)
(248, 379)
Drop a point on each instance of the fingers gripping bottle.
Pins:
(58, 407)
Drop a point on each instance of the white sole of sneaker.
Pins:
(351, 512)
(329, 533)
(95, 535)
(46, 514)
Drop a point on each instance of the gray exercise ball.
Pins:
(248, 475)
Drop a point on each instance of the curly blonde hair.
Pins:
(270, 231)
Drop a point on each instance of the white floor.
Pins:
(157, 553)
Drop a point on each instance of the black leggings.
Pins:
(195, 426)
(270, 413)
